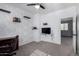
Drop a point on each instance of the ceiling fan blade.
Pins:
(30, 4)
(3, 10)
(42, 6)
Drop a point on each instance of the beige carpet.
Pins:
(37, 52)
(65, 49)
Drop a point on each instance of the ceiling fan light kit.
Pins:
(36, 5)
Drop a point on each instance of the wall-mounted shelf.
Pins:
(34, 28)
(27, 17)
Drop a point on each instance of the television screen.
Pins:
(46, 30)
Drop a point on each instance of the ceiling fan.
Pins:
(34, 4)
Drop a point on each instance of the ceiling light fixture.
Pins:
(37, 6)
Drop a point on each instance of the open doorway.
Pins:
(67, 34)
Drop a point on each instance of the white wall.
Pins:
(9, 28)
(77, 7)
(36, 23)
(54, 20)
(54, 23)
(70, 12)
(24, 29)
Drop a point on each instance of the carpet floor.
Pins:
(50, 49)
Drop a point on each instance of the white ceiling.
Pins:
(50, 7)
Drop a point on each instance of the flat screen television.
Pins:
(46, 30)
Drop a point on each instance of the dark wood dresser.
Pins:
(9, 45)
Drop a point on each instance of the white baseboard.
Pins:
(23, 43)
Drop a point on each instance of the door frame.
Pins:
(74, 35)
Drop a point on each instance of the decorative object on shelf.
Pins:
(34, 28)
(45, 23)
(27, 17)
(16, 19)
(3, 10)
